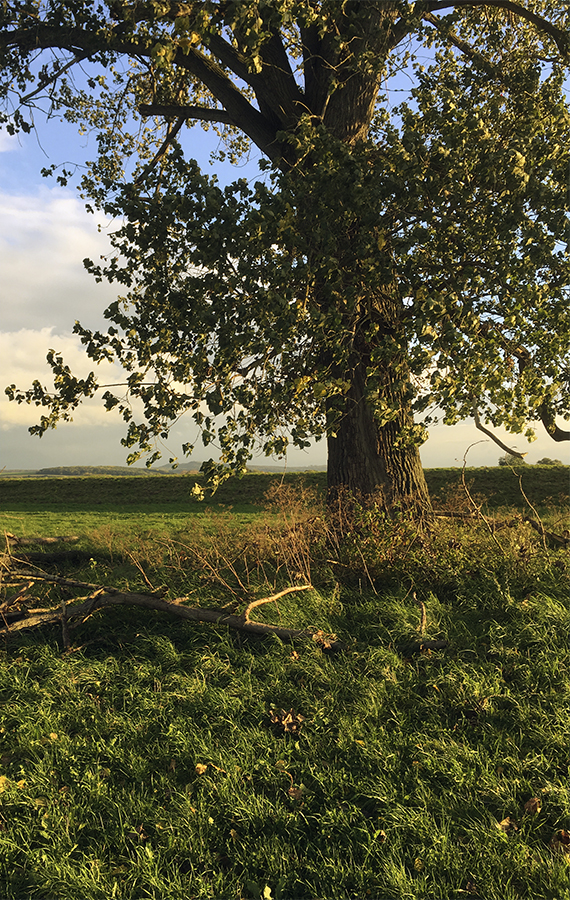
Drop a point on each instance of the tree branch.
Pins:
(462, 45)
(498, 442)
(43, 83)
(560, 38)
(171, 134)
(547, 418)
(275, 88)
(274, 598)
(202, 113)
(252, 122)
(100, 597)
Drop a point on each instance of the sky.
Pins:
(45, 233)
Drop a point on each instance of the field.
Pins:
(145, 757)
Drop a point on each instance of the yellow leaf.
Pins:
(53, 736)
(507, 825)
(4, 783)
(200, 768)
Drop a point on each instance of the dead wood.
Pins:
(558, 540)
(59, 556)
(274, 598)
(14, 540)
(73, 613)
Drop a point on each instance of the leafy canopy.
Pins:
(241, 304)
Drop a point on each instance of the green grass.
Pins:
(403, 768)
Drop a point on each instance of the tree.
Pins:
(391, 260)
(508, 460)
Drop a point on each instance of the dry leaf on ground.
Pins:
(297, 793)
(288, 721)
(507, 825)
(200, 768)
(325, 641)
(533, 806)
(560, 843)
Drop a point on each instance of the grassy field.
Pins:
(152, 759)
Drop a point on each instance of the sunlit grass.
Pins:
(143, 763)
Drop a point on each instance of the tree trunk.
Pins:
(377, 461)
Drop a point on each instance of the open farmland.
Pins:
(143, 756)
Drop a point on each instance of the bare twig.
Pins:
(10, 601)
(274, 597)
(540, 527)
(138, 565)
(476, 508)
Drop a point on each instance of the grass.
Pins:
(144, 762)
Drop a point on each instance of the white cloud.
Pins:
(44, 238)
(7, 141)
(23, 359)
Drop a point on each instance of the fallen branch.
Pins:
(559, 540)
(13, 539)
(421, 646)
(76, 612)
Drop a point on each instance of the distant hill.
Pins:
(114, 471)
(62, 471)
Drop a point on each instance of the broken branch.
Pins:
(77, 612)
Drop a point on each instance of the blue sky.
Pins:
(45, 233)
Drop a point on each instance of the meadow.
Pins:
(144, 757)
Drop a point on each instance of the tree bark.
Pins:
(377, 461)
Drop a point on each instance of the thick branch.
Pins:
(276, 90)
(202, 113)
(251, 121)
(318, 69)
(547, 418)
(203, 67)
(560, 38)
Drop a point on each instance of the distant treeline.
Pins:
(97, 470)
